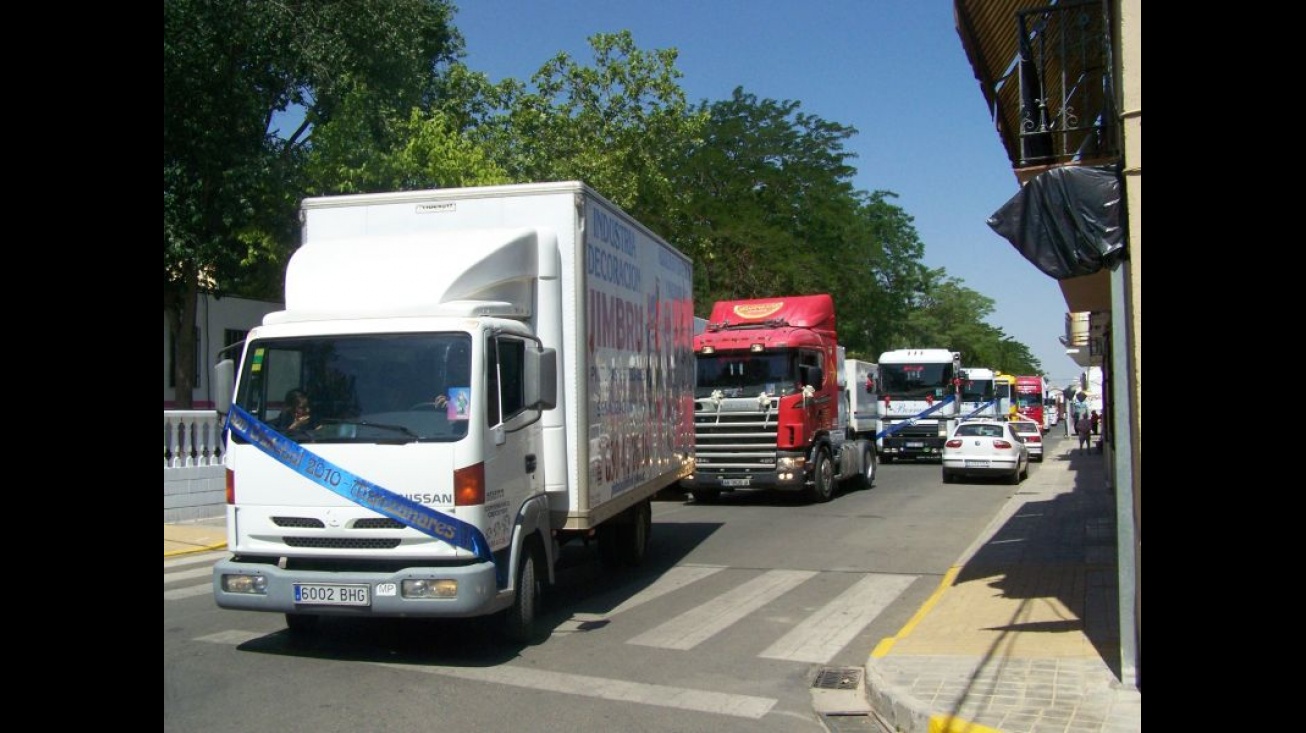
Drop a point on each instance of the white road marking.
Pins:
(693, 627)
(188, 592)
(232, 636)
(207, 557)
(674, 579)
(187, 575)
(703, 701)
(820, 636)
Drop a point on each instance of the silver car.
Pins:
(984, 448)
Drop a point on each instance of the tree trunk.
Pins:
(184, 376)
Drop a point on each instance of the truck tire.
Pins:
(623, 540)
(866, 479)
(519, 618)
(821, 489)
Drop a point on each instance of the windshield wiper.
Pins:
(379, 425)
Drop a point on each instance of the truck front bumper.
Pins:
(790, 475)
(477, 592)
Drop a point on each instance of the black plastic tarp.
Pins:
(1068, 221)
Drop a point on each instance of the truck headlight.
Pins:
(428, 588)
(251, 584)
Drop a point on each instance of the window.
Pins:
(504, 378)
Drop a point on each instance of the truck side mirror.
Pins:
(816, 377)
(541, 385)
(224, 381)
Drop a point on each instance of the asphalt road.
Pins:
(740, 607)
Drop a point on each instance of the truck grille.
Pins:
(341, 543)
(737, 438)
(364, 523)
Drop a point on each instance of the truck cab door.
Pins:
(514, 466)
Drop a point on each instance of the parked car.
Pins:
(983, 448)
(1032, 434)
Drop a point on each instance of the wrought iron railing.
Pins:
(1067, 100)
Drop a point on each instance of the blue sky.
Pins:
(893, 70)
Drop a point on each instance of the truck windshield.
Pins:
(916, 381)
(360, 388)
(977, 390)
(746, 375)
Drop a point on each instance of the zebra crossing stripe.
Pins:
(672, 580)
(702, 701)
(694, 627)
(820, 636)
(188, 592)
(682, 698)
(187, 575)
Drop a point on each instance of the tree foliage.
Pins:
(758, 192)
(619, 125)
(230, 186)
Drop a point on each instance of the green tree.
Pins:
(618, 124)
(772, 211)
(949, 315)
(231, 186)
(768, 199)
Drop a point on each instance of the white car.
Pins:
(982, 448)
(1032, 434)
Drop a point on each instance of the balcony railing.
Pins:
(1064, 69)
(193, 471)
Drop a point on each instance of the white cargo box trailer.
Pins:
(493, 371)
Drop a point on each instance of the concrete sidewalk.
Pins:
(201, 535)
(1023, 634)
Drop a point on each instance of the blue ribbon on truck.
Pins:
(895, 428)
(361, 491)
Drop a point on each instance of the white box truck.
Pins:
(490, 372)
(862, 379)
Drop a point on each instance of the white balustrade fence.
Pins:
(194, 484)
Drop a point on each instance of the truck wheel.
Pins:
(822, 487)
(301, 624)
(633, 538)
(623, 540)
(519, 619)
(866, 479)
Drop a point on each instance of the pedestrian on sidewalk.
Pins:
(1084, 429)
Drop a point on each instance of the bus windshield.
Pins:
(916, 381)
